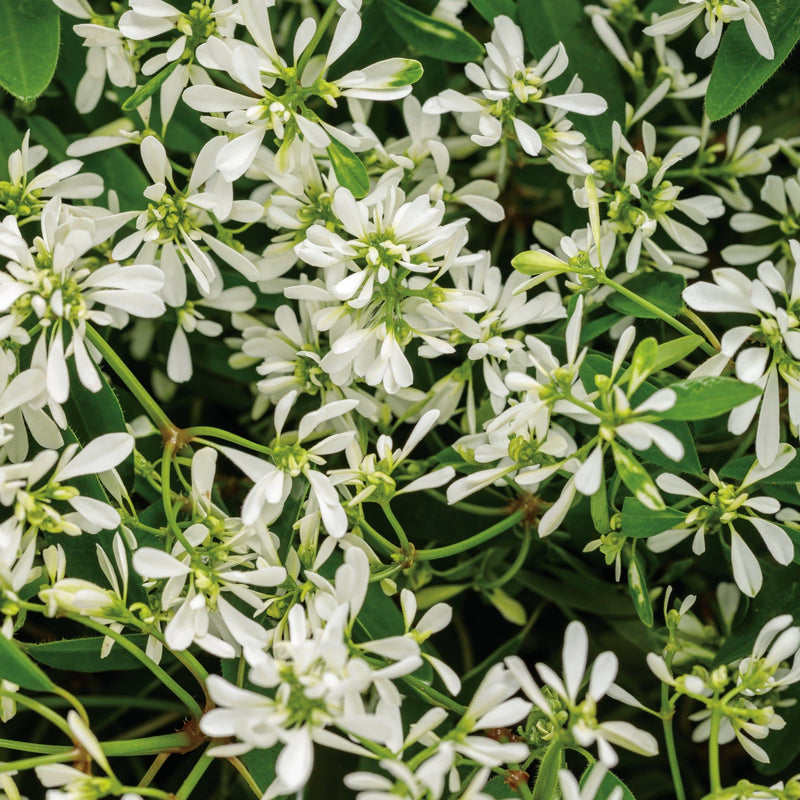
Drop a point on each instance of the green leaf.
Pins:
(547, 776)
(120, 173)
(640, 522)
(489, 9)
(29, 52)
(739, 71)
(701, 398)
(430, 36)
(636, 478)
(10, 140)
(547, 22)
(147, 90)
(637, 586)
(671, 352)
(91, 414)
(662, 290)
(609, 783)
(736, 470)
(48, 134)
(348, 168)
(498, 788)
(83, 655)
(16, 667)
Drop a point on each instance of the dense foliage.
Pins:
(399, 399)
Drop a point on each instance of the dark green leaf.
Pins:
(548, 22)
(16, 667)
(349, 169)
(48, 134)
(91, 414)
(701, 398)
(430, 36)
(122, 174)
(609, 783)
(147, 90)
(498, 788)
(640, 522)
(637, 586)
(83, 655)
(673, 351)
(29, 52)
(739, 71)
(10, 140)
(662, 290)
(788, 476)
(489, 9)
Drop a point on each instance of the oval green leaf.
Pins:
(430, 36)
(348, 168)
(739, 71)
(29, 52)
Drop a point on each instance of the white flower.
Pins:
(249, 116)
(722, 508)
(110, 55)
(54, 284)
(582, 723)
(506, 83)
(172, 229)
(717, 14)
(765, 352)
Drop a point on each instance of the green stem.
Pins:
(469, 508)
(653, 309)
(515, 566)
(166, 497)
(216, 433)
(143, 658)
(146, 401)
(381, 540)
(193, 778)
(327, 17)
(40, 709)
(148, 745)
(433, 695)
(37, 761)
(246, 776)
(674, 765)
(473, 541)
(30, 747)
(713, 752)
(398, 528)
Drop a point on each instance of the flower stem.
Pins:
(473, 541)
(193, 778)
(713, 752)
(395, 523)
(37, 761)
(654, 309)
(146, 400)
(246, 776)
(327, 17)
(142, 657)
(669, 739)
(216, 433)
(40, 709)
